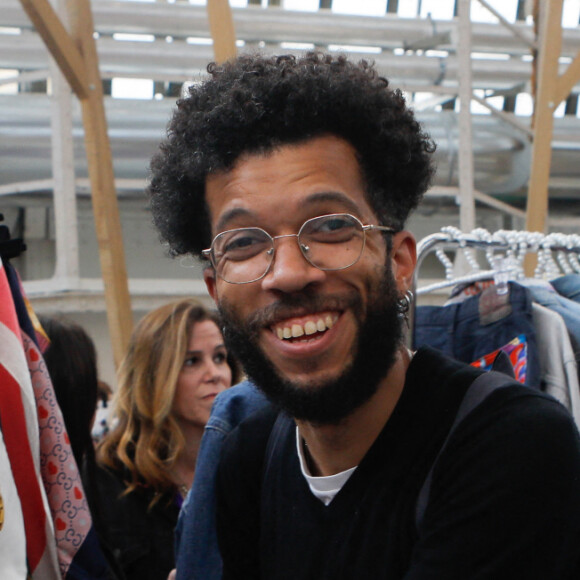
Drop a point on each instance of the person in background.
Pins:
(175, 366)
(101, 424)
(71, 361)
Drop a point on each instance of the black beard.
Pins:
(378, 339)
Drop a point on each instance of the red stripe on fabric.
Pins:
(18, 448)
(7, 311)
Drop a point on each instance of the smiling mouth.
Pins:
(306, 330)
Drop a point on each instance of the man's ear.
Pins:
(209, 278)
(404, 259)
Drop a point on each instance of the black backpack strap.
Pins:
(278, 428)
(477, 392)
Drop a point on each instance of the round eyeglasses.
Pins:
(328, 242)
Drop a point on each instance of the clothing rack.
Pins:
(504, 251)
(9, 248)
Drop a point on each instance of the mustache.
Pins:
(301, 304)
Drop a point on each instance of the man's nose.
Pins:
(290, 271)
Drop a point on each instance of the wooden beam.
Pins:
(76, 55)
(59, 43)
(103, 194)
(221, 25)
(567, 81)
(550, 44)
(545, 105)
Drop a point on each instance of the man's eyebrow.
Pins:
(230, 215)
(318, 197)
(335, 196)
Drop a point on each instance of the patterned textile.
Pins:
(20, 433)
(27, 319)
(61, 476)
(517, 351)
(60, 539)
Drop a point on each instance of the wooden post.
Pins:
(59, 43)
(76, 55)
(550, 44)
(544, 107)
(103, 194)
(221, 25)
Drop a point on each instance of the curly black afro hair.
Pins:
(255, 103)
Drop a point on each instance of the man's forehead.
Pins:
(318, 171)
(315, 149)
(338, 199)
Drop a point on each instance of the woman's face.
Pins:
(204, 374)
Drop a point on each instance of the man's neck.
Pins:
(336, 448)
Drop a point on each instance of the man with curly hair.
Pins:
(293, 178)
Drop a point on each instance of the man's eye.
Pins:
(243, 246)
(334, 224)
(334, 229)
(241, 243)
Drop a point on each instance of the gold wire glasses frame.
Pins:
(328, 242)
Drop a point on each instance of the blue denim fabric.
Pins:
(196, 550)
(568, 286)
(456, 329)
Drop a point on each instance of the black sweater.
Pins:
(504, 503)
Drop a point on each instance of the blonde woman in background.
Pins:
(175, 366)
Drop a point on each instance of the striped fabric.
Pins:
(20, 432)
(59, 538)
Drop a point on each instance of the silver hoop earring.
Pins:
(404, 305)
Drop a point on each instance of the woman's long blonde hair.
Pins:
(146, 440)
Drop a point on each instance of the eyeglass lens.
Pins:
(331, 242)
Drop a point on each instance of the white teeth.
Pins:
(297, 331)
(310, 327)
